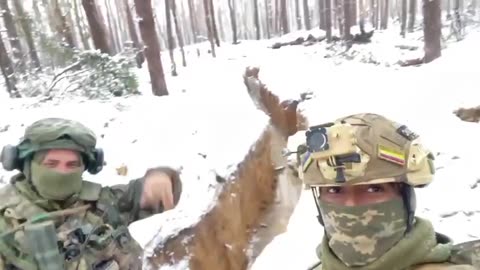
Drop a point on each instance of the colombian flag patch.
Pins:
(307, 161)
(391, 155)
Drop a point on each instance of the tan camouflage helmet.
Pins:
(364, 149)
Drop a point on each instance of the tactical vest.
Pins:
(94, 239)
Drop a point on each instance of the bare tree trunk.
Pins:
(121, 23)
(347, 14)
(456, 11)
(449, 9)
(268, 18)
(381, 4)
(170, 40)
(244, 29)
(27, 30)
(339, 12)
(385, 8)
(335, 19)
(214, 23)
(387, 11)
(432, 30)
(404, 18)
(363, 15)
(361, 8)
(209, 26)
(193, 21)
(71, 23)
(139, 57)
(412, 14)
(396, 10)
(220, 23)
(372, 10)
(152, 48)
(115, 36)
(256, 18)
(378, 14)
(61, 25)
(306, 15)
(178, 32)
(109, 25)
(160, 29)
(284, 17)
(97, 26)
(49, 13)
(233, 20)
(321, 7)
(78, 20)
(354, 12)
(48, 60)
(187, 31)
(298, 17)
(7, 71)
(12, 35)
(276, 18)
(328, 19)
(199, 19)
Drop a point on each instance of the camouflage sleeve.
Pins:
(467, 253)
(129, 195)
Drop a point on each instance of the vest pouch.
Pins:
(43, 242)
(101, 242)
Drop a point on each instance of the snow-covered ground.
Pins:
(209, 111)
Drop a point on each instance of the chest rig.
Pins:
(94, 239)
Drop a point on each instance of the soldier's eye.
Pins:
(375, 188)
(73, 164)
(334, 190)
(50, 164)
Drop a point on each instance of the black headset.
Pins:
(10, 160)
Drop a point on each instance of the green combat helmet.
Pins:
(54, 133)
(365, 149)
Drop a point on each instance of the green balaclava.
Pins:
(358, 235)
(53, 185)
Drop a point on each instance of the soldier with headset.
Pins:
(51, 218)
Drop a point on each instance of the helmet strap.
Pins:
(316, 196)
(410, 202)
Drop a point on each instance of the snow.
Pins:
(209, 112)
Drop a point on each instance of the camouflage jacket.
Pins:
(97, 238)
(422, 250)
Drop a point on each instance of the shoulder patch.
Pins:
(90, 191)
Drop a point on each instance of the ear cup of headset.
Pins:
(96, 165)
(9, 158)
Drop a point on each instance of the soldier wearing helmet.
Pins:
(51, 158)
(362, 170)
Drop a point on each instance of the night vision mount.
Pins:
(334, 143)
